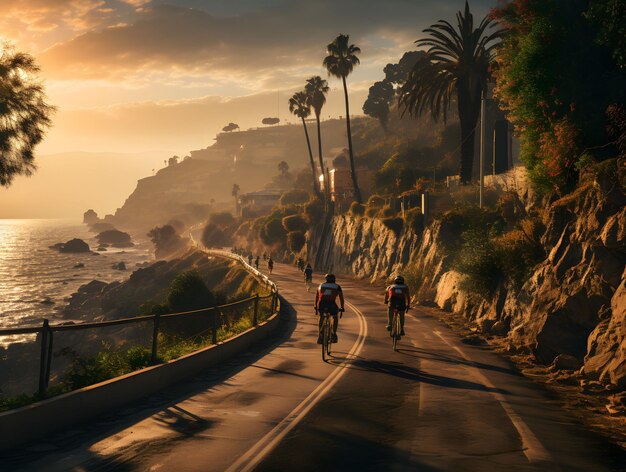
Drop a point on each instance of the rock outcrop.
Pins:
(571, 311)
(72, 246)
(114, 238)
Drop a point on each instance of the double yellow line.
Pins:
(253, 457)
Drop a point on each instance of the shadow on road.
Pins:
(435, 356)
(411, 373)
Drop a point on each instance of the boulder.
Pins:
(114, 238)
(80, 265)
(119, 266)
(74, 246)
(95, 286)
(566, 362)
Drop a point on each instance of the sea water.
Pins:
(35, 280)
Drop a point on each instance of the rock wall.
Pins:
(572, 306)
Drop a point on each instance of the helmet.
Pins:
(330, 278)
(399, 279)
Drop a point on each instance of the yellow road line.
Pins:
(253, 457)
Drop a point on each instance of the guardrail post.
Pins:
(45, 329)
(49, 360)
(256, 310)
(155, 338)
(214, 327)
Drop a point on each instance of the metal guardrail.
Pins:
(46, 331)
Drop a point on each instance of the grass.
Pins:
(110, 363)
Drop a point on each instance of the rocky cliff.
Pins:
(572, 306)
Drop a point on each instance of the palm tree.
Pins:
(340, 62)
(316, 89)
(457, 63)
(299, 106)
(235, 193)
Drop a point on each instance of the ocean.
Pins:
(35, 280)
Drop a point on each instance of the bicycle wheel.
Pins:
(395, 333)
(325, 335)
(330, 335)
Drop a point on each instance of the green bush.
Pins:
(479, 260)
(314, 210)
(294, 197)
(273, 232)
(357, 209)
(375, 201)
(414, 220)
(189, 292)
(371, 212)
(394, 224)
(387, 212)
(222, 219)
(295, 223)
(296, 240)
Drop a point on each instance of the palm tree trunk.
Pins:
(357, 191)
(308, 143)
(469, 111)
(319, 151)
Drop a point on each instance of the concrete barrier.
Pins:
(36, 421)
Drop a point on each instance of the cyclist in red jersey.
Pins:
(325, 299)
(397, 297)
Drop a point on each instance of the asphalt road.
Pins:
(438, 404)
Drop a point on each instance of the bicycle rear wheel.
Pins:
(395, 330)
(325, 336)
(330, 336)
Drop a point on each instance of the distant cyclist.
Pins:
(300, 264)
(270, 265)
(327, 293)
(308, 273)
(256, 263)
(397, 297)
(250, 258)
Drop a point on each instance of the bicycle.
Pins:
(307, 283)
(326, 333)
(396, 328)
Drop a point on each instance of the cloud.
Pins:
(274, 37)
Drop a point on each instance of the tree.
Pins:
(24, 114)
(299, 106)
(283, 168)
(235, 193)
(558, 72)
(378, 100)
(172, 161)
(457, 65)
(294, 197)
(270, 121)
(316, 89)
(230, 127)
(340, 62)
(397, 74)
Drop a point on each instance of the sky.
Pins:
(164, 76)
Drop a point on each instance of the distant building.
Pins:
(259, 203)
(341, 188)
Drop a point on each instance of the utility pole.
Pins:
(482, 147)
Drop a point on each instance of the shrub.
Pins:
(222, 219)
(394, 224)
(294, 197)
(387, 212)
(375, 201)
(212, 235)
(371, 212)
(295, 240)
(414, 220)
(295, 223)
(314, 210)
(357, 209)
(479, 260)
(189, 292)
(273, 232)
